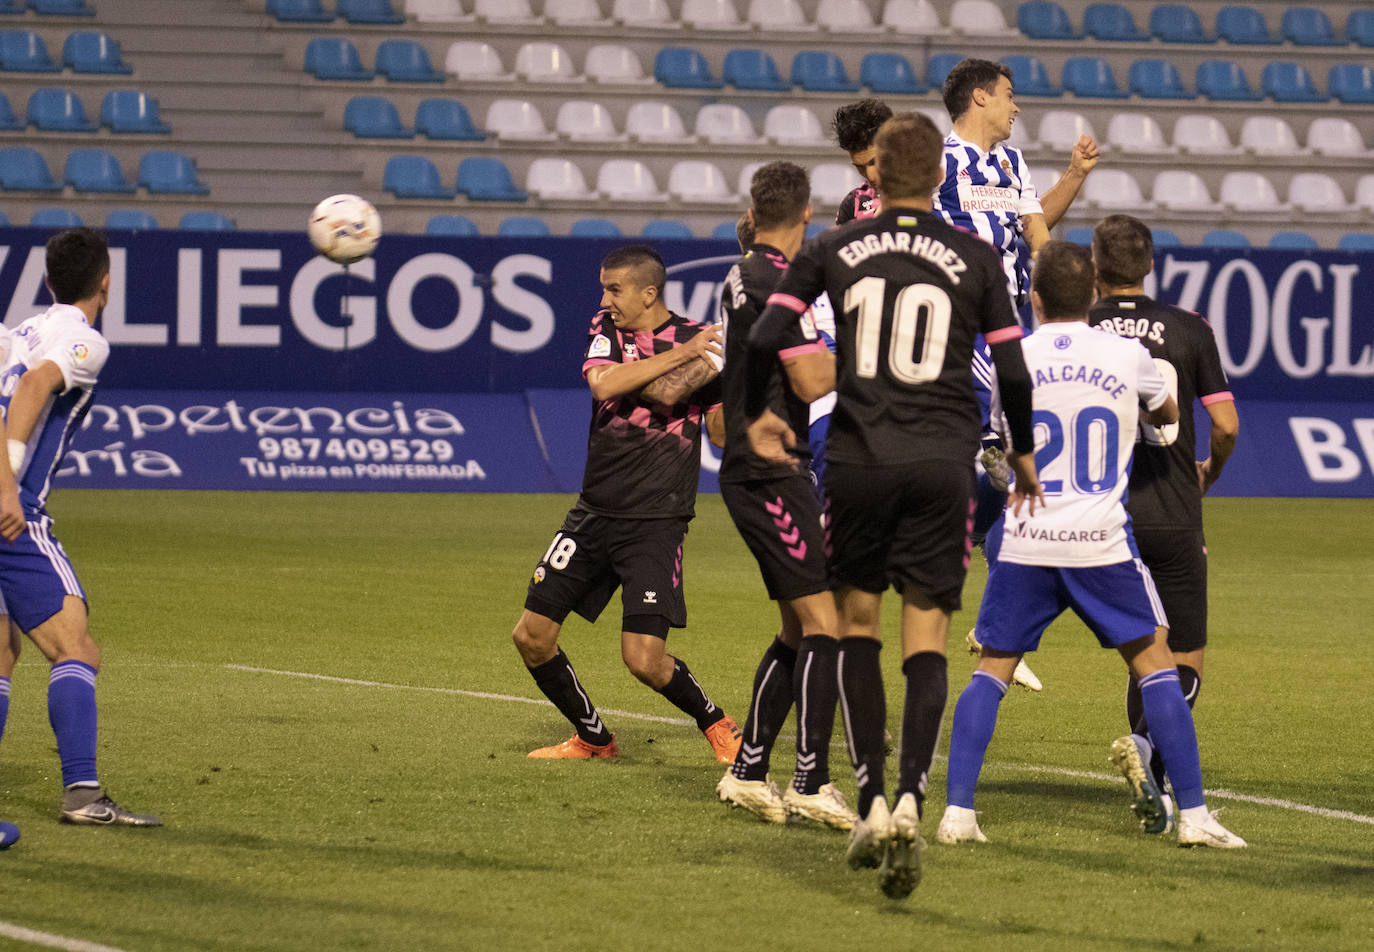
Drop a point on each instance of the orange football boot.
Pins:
(575, 748)
(725, 737)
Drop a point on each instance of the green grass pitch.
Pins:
(393, 808)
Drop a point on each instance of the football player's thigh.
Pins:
(862, 504)
(648, 560)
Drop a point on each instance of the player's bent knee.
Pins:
(536, 638)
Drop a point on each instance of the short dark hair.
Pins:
(909, 150)
(78, 259)
(644, 264)
(779, 193)
(1064, 278)
(857, 123)
(744, 232)
(969, 75)
(1123, 251)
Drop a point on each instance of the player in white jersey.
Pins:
(46, 388)
(1075, 549)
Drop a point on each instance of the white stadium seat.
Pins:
(1247, 191)
(650, 13)
(437, 11)
(712, 15)
(656, 122)
(1182, 191)
(517, 120)
(1316, 192)
(550, 178)
(1364, 193)
(778, 16)
(1269, 135)
(628, 180)
(978, 18)
(1335, 135)
(1197, 134)
(724, 123)
(915, 17)
(504, 11)
(1060, 129)
(699, 182)
(545, 63)
(614, 65)
(473, 60)
(832, 181)
(746, 177)
(793, 126)
(583, 121)
(1113, 190)
(1135, 132)
(573, 12)
(846, 16)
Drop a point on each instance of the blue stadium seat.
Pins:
(1079, 236)
(413, 176)
(1359, 27)
(299, 11)
(1030, 77)
(1356, 241)
(1304, 26)
(458, 226)
(1157, 79)
(1111, 22)
(939, 66)
(205, 220)
(889, 74)
(373, 117)
(61, 8)
(1289, 82)
(1351, 83)
(58, 110)
(1224, 80)
(666, 229)
(95, 170)
(601, 228)
(485, 179)
(22, 169)
(524, 227)
(446, 119)
(1244, 26)
(4, 219)
(1090, 76)
(1176, 23)
(170, 172)
(55, 218)
(15, 7)
(369, 11)
(130, 219)
(1164, 238)
(1225, 238)
(1045, 20)
(681, 68)
(334, 57)
(93, 53)
(23, 51)
(1299, 240)
(8, 120)
(405, 61)
(128, 110)
(753, 69)
(820, 71)
(726, 231)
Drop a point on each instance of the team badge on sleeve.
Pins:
(600, 346)
(79, 351)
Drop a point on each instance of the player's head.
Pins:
(780, 196)
(910, 156)
(854, 126)
(78, 265)
(1123, 251)
(984, 86)
(632, 280)
(744, 231)
(1062, 281)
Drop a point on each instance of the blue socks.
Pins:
(71, 712)
(975, 718)
(1173, 734)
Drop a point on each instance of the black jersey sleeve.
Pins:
(1209, 375)
(779, 326)
(1003, 335)
(846, 209)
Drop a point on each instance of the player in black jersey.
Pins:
(775, 508)
(854, 125)
(911, 294)
(652, 376)
(1167, 481)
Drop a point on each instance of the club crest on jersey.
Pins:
(601, 346)
(1062, 342)
(539, 575)
(79, 351)
(1006, 166)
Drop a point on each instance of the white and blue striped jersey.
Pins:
(60, 335)
(989, 193)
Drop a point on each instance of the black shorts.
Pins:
(906, 526)
(1177, 558)
(782, 523)
(592, 555)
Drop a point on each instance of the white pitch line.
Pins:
(20, 934)
(1027, 768)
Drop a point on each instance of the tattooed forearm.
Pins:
(677, 383)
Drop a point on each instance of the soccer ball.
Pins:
(345, 228)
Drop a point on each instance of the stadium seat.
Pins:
(832, 181)
(583, 121)
(628, 180)
(128, 110)
(1080, 236)
(61, 8)
(1202, 135)
(1305, 26)
(846, 16)
(446, 119)
(777, 16)
(1269, 135)
(1335, 135)
(573, 12)
(753, 69)
(369, 12)
(55, 218)
(505, 12)
(1289, 82)
(405, 61)
(545, 63)
(1176, 23)
(554, 178)
(820, 71)
(1045, 20)
(1060, 129)
(1164, 238)
(1359, 27)
(335, 58)
(1351, 83)
(889, 74)
(1316, 192)
(698, 182)
(978, 18)
(1112, 190)
(1225, 238)
(58, 110)
(8, 120)
(23, 51)
(458, 226)
(595, 228)
(1364, 193)
(1181, 190)
(170, 172)
(711, 15)
(1157, 79)
(206, 220)
(437, 11)
(667, 230)
(1246, 191)
(650, 121)
(22, 169)
(130, 219)
(653, 14)
(524, 226)
(93, 53)
(938, 68)
(912, 17)
(1111, 23)
(678, 67)
(1295, 240)
(746, 176)
(95, 170)
(1224, 80)
(486, 179)
(1244, 26)
(793, 126)
(299, 11)
(8, 8)
(1136, 133)
(373, 117)
(473, 60)
(1090, 77)
(413, 176)
(517, 120)
(1356, 241)
(724, 123)
(612, 64)
(726, 231)
(1030, 77)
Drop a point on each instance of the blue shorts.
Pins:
(1118, 602)
(35, 574)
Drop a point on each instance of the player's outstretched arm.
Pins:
(1225, 428)
(811, 375)
(1162, 415)
(1082, 160)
